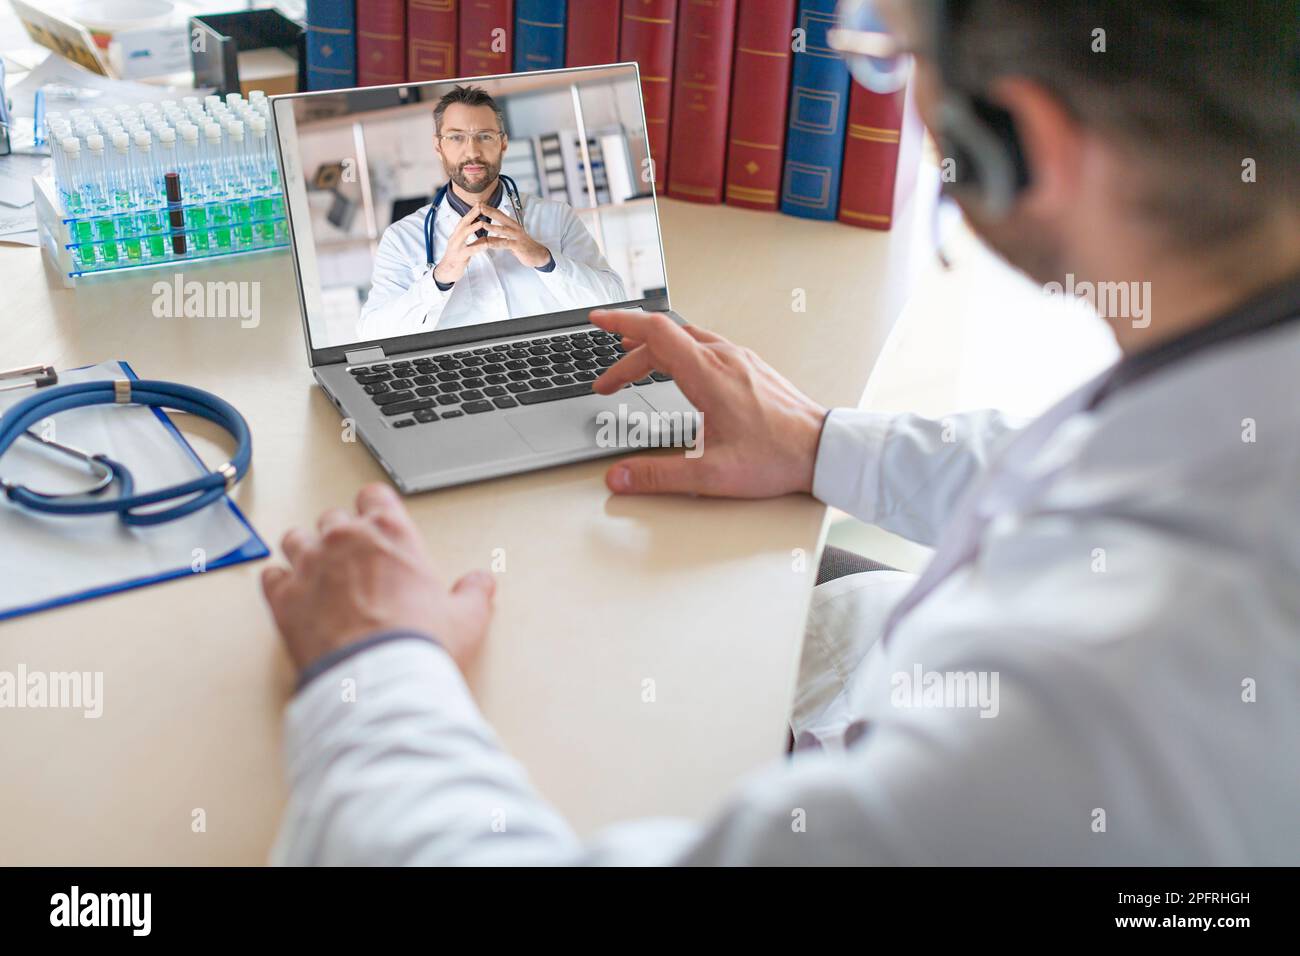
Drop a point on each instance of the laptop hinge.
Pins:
(374, 353)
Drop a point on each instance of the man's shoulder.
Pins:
(408, 229)
(547, 204)
(412, 221)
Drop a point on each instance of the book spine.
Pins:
(431, 28)
(647, 34)
(760, 93)
(331, 45)
(871, 158)
(381, 42)
(486, 33)
(591, 37)
(539, 34)
(819, 105)
(701, 95)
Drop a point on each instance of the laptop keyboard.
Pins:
(491, 378)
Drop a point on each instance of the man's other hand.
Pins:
(363, 573)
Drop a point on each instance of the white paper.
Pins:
(16, 174)
(43, 557)
(68, 86)
(13, 221)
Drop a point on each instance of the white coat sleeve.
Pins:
(903, 472)
(404, 770)
(404, 297)
(581, 275)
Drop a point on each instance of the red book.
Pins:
(881, 156)
(698, 148)
(381, 42)
(647, 37)
(487, 29)
(431, 39)
(761, 93)
(591, 34)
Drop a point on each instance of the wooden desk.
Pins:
(705, 598)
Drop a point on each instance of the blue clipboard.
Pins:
(252, 549)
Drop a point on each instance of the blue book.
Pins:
(539, 34)
(331, 45)
(819, 106)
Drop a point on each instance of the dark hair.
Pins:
(470, 96)
(1192, 89)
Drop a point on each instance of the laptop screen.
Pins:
(437, 206)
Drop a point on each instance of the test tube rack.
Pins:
(93, 243)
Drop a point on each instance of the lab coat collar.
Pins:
(1264, 311)
(462, 207)
(1223, 412)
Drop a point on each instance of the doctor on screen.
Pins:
(510, 266)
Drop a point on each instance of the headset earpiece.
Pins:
(988, 170)
(988, 163)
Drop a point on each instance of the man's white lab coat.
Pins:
(404, 298)
(1129, 575)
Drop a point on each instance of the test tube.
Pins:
(214, 161)
(146, 181)
(94, 171)
(67, 152)
(123, 195)
(189, 157)
(237, 163)
(166, 156)
(96, 167)
(195, 188)
(262, 165)
(52, 122)
(67, 166)
(61, 179)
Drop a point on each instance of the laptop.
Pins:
(488, 374)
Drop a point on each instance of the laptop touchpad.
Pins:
(571, 423)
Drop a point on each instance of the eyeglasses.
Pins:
(485, 138)
(875, 58)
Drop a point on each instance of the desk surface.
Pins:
(707, 599)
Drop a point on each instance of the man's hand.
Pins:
(455, 258)
(762, 432)
(360, 574)
(526, 249)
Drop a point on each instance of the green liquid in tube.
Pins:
(106, 233)
(198, 227)
(153, 226)
(243, 216)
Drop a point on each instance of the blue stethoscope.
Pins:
(197, 493)
(512, 193)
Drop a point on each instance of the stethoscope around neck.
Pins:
(512, 193)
